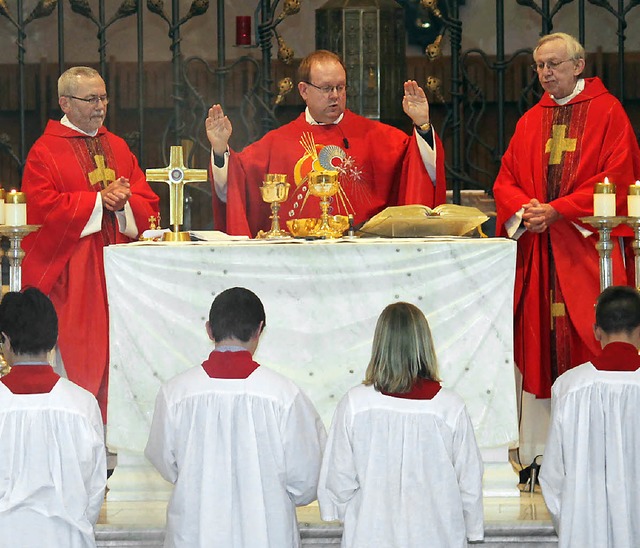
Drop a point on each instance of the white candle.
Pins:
(15, 209)
(1, 206)
(604, 199)
(633, 200)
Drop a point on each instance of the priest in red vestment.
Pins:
(378, 165)
(84, 186)
(577, 135)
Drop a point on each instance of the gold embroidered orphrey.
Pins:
(559, 143)
(101, 174)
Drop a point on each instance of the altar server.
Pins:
(590, 470)
(402, 467)
(52, 457)
(241, 444)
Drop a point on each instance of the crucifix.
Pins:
(176, 175)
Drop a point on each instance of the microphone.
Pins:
(344, 139)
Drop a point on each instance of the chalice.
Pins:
(274, 190)
(324, 184)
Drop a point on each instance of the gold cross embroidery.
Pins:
(558, 310)
(101, 174)
(559, 144)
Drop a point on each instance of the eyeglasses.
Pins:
(328, 89)
(94, 99)
(551, 65)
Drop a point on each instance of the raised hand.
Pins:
(415, 103)
(219, 129)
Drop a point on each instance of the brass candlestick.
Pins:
(274, 190)
(324, 184)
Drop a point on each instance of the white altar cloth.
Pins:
(322, 300)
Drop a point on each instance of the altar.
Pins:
(322, 300)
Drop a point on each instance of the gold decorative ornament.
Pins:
(176, 175)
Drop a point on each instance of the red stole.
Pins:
(30, 379)
(617, 356)
(423, 389)
(229, 365)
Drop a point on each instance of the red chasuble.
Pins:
(60, 181)
(381, 166)
(556, 155)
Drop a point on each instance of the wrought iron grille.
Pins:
(477, 97)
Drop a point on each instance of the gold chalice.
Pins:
(274, 190)
(324, 184)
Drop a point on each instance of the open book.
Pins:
(419, 221)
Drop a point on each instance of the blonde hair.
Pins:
(574, 48)
(68, 81)
(402, 350)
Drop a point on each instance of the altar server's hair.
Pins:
(68, 81)
(29, 319)
(236, 312)
(618, 309)
(402, 350)
(318, 56)
(575, 50)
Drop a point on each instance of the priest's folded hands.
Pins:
(116, 194)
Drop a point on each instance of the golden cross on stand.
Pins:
(559, 144)
(176, 175)
(101, 174)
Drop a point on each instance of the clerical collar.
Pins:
(230, 348)
(65, 122)
(576, 91)
(312, 122)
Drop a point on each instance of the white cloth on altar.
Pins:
(590, 470)
(53, 469)
(242, 454)
(402, 472)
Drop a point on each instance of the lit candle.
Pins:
(1, 206)
(15, 209)
(243, 30)
(633, 200)
(604, 199)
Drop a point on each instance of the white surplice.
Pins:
(53, 469)
(242, 454)
(591, 470)
(402, 472)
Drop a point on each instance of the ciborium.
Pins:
(274, 190)
(324, 185)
